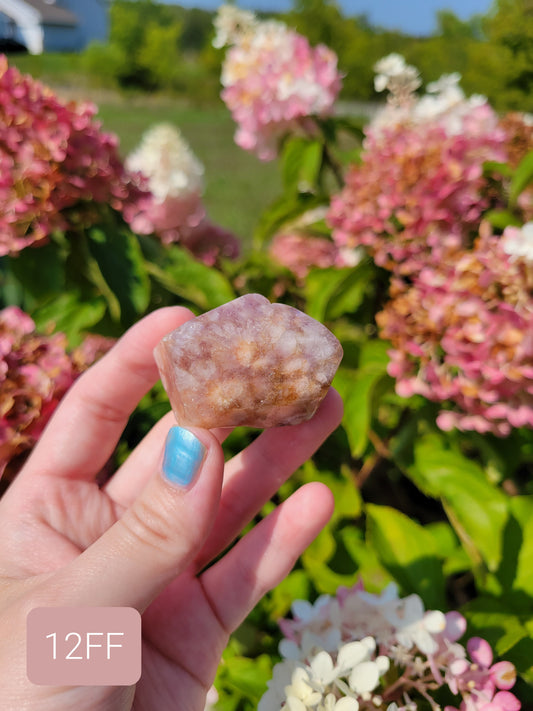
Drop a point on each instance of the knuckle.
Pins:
(146, 524)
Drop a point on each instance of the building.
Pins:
(53, 25)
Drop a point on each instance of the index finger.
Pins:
(86, 427)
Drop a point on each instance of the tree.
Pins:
(510, 25)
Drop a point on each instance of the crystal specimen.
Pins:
(248, 362)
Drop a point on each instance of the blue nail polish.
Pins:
(182, 457)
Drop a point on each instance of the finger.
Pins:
(253, 476)
(128, 482)
(158, 536)
(84, 430)
(266, 555)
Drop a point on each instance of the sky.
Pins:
(415, 17)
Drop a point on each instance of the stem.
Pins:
(335, 168)
(367, 469)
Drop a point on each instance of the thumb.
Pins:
(160, 534)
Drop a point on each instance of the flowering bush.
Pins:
(420, 189)
(460, 307)
(273, 79)
(462, 333)
(165, 165)
(35, 372)
(358, 650)
(53, 156)
(411, 238)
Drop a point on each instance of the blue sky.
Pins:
(413, 16)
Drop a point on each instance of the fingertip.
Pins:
(186, 450)
(319, 500)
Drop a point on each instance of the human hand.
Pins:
(144, 540)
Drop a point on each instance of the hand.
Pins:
(143, 539)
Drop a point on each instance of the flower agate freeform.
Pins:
(248, 362)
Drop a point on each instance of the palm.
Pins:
(61, 528)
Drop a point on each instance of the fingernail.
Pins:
(182, 456)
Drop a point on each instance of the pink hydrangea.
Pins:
(53, 156)
(210, 243)
(418, 193)
(461, 334)
(483, 685)
(273, 80)
(35, 372)
(300, 252)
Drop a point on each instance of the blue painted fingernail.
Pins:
(182, 457)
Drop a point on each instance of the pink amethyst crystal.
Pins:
(248, 362)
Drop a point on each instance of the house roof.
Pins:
(51, 14)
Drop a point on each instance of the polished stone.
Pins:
(248, 362)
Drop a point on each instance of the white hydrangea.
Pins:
(232, 25)
(395, 75)
(444, 101)
(414, 626)
(518, 242)
(166, 160)
(326, 680)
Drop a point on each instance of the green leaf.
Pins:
(69, 314)
(507, 628)
(357, 396)
(408, 552)
(296, 586)
(356, 387)
(523, 579)
(455, 558)
(523, 176)
(330, 293)
(246, 676)
(477, 509)
(366, 562)
(183, 275)
(374, 354)
(348, 501)
(300, 163)
(40, 271)
(502, 219)
(283, 210)
(494, 166)
(119, 262)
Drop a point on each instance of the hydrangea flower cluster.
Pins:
(175, 178)
(53, 156)
(460, 310)
(360, 651)
(300, 252)
(165, 165)
(400, 79)
(461, 333)
(444, 101)
(420, 189)
(35, 372)
(417, 193)
(273, 79)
